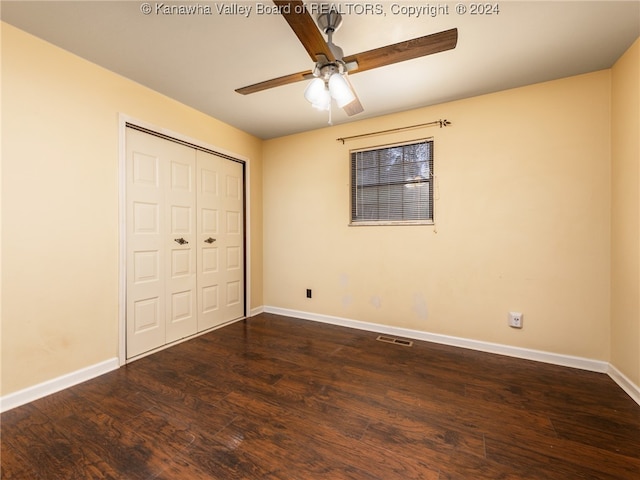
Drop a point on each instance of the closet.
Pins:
(185, 269)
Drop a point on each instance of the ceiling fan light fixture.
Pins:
(324, 102)
(317, 94)
(340, 90)
(331, 66)
(314, 89)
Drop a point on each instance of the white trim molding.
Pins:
(581, 363)
(524, 353)
(624, 383)
(54, 385)
(35, 392)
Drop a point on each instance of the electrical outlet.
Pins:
(515, 319)
(308, 293)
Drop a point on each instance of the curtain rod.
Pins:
(442, 123)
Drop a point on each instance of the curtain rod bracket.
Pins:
(441, 123)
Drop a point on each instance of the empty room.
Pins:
(299, 240)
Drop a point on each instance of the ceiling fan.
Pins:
(329, 76)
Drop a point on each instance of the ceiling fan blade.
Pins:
(407, 50)
(355, 107)
(305, 28)
(275, 82)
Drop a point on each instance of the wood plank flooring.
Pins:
(279, 398)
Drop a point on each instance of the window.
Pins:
(392, 184)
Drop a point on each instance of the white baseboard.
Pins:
(524, 353)
(625, 383)
(581, 363)
(30, 394)
(35, 392)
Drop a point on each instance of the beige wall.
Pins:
(527, 180)
(522, 222)
(625, 231)
(60, 204)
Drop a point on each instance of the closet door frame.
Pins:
(123, 122)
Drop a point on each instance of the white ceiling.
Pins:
(201, 59)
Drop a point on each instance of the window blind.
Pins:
(393, 184)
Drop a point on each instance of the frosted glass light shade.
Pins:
(340, 90)
(324, 102)
(317, 94)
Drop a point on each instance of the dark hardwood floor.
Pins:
(279, 398)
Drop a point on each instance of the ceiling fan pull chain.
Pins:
(330, 119)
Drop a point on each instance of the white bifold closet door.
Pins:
(185, 241)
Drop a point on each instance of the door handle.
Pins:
(180, 241)
(210, 240)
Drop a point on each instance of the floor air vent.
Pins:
(397, 341)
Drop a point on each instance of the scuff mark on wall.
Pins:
(347, 300)
(420, 306)
(376, 301)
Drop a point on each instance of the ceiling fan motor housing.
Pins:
(329, 69)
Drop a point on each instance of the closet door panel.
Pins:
(180, 201)
(161, 271)
(145, 250)
(233, 206)
(220, 240)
